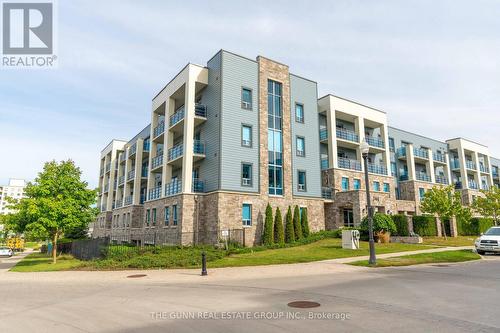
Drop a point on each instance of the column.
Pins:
(463, 170)
(477, 173)
(410, 162)
(187, 161)
(125, 168)
(359, 128)
(332, 137)
(387, 155)
(430, 166)
(136, 195)
(447, 168)
(168, 142)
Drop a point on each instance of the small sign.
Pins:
(225, 233)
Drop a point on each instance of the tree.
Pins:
(297, 227)
(445, 203)
(489, 205)
(279, 234)
(289, 232)
(305, 223)
(381, 223)
(268, 237)
(56, 202)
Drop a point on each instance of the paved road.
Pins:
(457, 298)
(7, 263)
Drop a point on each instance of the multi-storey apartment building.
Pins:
(14, 190)
(227, 138)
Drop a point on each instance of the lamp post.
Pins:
(364, 152)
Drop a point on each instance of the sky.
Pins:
(433, 66)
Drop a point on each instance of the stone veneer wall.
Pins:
(409, 190)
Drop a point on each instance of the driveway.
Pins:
(428, 298)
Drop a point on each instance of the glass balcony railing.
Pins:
(484, 168)
(374, 142)
(121, 180)
(158, 130)
(454, 164)
(422, 153)
(115, 185)
(200, 110)
(198, 186)
(401, 152)
(128, 200)
(144, 172)
(441, 180)
(132, 150)
(376, 168)
(101, 172)
(173, 188)
(470, 165)
(485, 187)
(473, 185)
(346, 163)
(495, 173)
(199, 147)
(439, 158)
(324, 164)
(142, 199)
(458, 185)
(326, 193)
(157, 161)
(347, 135)
(403, 177)
(119, 204)
(323, 134)
(145, 146)
(106, 188)
(177, 116)
(154, 193)
(131, 174)
(175, 152)
(123, 157)
(108, 167)
(423, 177)
(103, 207)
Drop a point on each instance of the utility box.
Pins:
(350, 239)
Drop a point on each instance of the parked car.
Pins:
(489, 241)
(5, 251)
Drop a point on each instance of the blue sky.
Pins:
(433, 66)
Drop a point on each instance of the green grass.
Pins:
(450, 241)
(40, 262)
(424, 258)
(32, 245)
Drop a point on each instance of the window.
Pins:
(421, 193)
(393, 169)
(148, 217)
(299, 113)
(167, 216)
(348, 218)
(246, 98)
(246, 136)
(247, 215)
(301, 146)
(128, 219)
(357, 184)
(391, 144)
(387, 187)
(154, 216)
(345, 184)
(174, 214)
(376, 186)
(124, 220)
(301, 183)
(246, 174)
(275, 137)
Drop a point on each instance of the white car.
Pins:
(5, 252)
(489, 241)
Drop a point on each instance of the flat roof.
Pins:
(350, 100)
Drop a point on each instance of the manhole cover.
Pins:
(303, 304)
(441, 265)
(134, 276)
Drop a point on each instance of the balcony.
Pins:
(128, 200)
(198, 186)
(200, 110)
(470, 165)
(374, 142)
(173, 188)
(158, 130)
(401, 152)
(119, 204)
(347, 135)
(422, 176)
(175, 152)
(458, 185)
(454, 164)
(484, 169)
(421, 153)
(123, 157)
(323, 134)
(121, 180)
(157, 161)
(441, 180)
(326, 193)
(131, 174)
(108, 167)
(403, 177)
(144, 172)
(145, 146)
(346, 163)
(103, 207)
(177, 116)
(101, 172)
(495, 173)
(378, 169)
(199, 147)
(115, 184)
(132, 150)
(154, 193)
(439, 158)
(473, 185)
(324, 164)
(142, 199)
(106, 188)
(485, 187)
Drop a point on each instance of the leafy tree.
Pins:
(57, 202)
(445, 203)
(305, 223)
(289, 232)
(297, 227)
(279, 234)
(268, 237)
(489, 206)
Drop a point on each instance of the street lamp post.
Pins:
(364, 152)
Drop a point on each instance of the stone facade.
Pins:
(409, 190)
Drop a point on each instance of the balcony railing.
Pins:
(347, 135)
(374, 142)
(422, 153)
(128, 200)
(115, 184)
(119, 204)
(154, 193)
(454, 164)
(133, 149)
(157, 161)
(108, 167)
(106, 188)
(175, 152)
(470, 165)
(376, 168)
(403, 177)
(441, 180)
(485, 187)
(495, 173)
(324, 164)
(159, 129)
(401, 152)
(101, 172)
(199, 147)
(142, 199)
(423, 177)
(326, 193)
(177, 116)
(347, 163)
(323, 134)
(458, 185)
(131, 174)
(144, 172)
(198, 186)
(145, 146)
(121, 180)
(439, 158)
(473, 185)
(484, 168)
(123, 157)
(200, 110)
(173, 188)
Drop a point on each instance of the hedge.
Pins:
(401, 222)
(474, 227)
(424, 225)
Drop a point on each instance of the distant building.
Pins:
(14, 190)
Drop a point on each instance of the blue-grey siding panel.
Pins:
(238, 72)
(304, 92)
(142, 135)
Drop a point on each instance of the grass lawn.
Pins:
(38, 262)
(450, 241)
(32, 245)
(424, 258)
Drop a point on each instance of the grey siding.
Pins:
(238, 72)
(142, 135)
(304, 92)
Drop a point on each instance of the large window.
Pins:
(345, 184)
(301, 183)
(246, 174)
(174, 214)
(246, 98)
(348, 218)
(148, 217)
(246, 217)
(391, 144)
(421, 193)
(275, 137)
(387, 187)
(167, 216)
(246, 136)
(356, 184)
(301, 146)
(376, 186)
(154, 216)
(299, 113)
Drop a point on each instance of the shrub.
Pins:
(424, 225)
(289, 232)
(268, 236)
(401, 222)
(381, 222)
(297, 226)
(305, 223)
(279, 234)
(474, 227)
